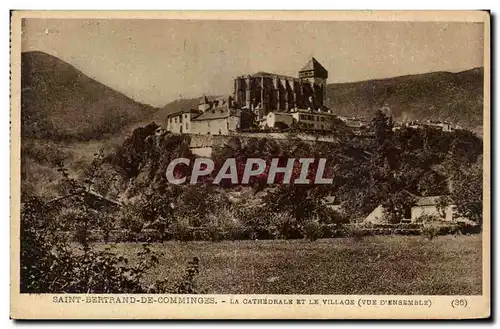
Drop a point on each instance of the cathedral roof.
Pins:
(271, 75)
(314, 65)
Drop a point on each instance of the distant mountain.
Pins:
(455, 97)
(160, 116)
(61, 103)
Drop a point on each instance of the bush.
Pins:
(282, 224)
(430, 226)
(180, 229)
(357, 232)
(430, 231)
(312, 230)
(51, 264)
(187, 285)
(223, 225)
(330, 216)
(131, 221)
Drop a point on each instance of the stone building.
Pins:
(265, 92)
(218, 117)
(302, 119)
(428, 205)
(180, 122)
(214, 116)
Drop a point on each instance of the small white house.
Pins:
(281, 120)
(376, 216)
(423, 206)
(429, 206)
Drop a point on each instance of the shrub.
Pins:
(281, 224)
(357, 232)
(329, 216)
(188, 285)
(430, 226)
(180, 229)
(51, 264)
(430, 231)
(312, 230)
(131, 221)
(223, 224)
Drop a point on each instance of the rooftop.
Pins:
(176, 113)
(428, 200)
(271, 75)
(314, 65)
(216, 113)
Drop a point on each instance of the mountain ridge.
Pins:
(444, 96)
(60, 102)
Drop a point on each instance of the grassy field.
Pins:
(389, 265)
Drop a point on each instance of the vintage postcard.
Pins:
(250, 165)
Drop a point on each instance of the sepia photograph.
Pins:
(208, 159)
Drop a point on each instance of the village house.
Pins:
(354, 122)
(303, 119)
(218, 117)
(444, 126)
(278, 120)
(214, 116)
(423, 206)
(180, 122)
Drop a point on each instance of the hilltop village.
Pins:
(269, 102)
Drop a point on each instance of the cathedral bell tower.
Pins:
(315, 75)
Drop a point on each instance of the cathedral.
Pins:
(265, 92)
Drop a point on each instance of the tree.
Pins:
(396, 205)
(294, 205)
(51, 263)
(382, 126)
(131, 221)
(431, 183)
(467, 192)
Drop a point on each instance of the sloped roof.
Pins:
(176, 113)
(216, 113)
(428, 200)
(314, 65)
(271, 75)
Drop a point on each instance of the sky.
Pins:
(158, 61)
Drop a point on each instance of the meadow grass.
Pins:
(385, 265)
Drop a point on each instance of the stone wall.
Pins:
(202, 145)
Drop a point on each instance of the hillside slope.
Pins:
(61, 103)
(455, 97)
